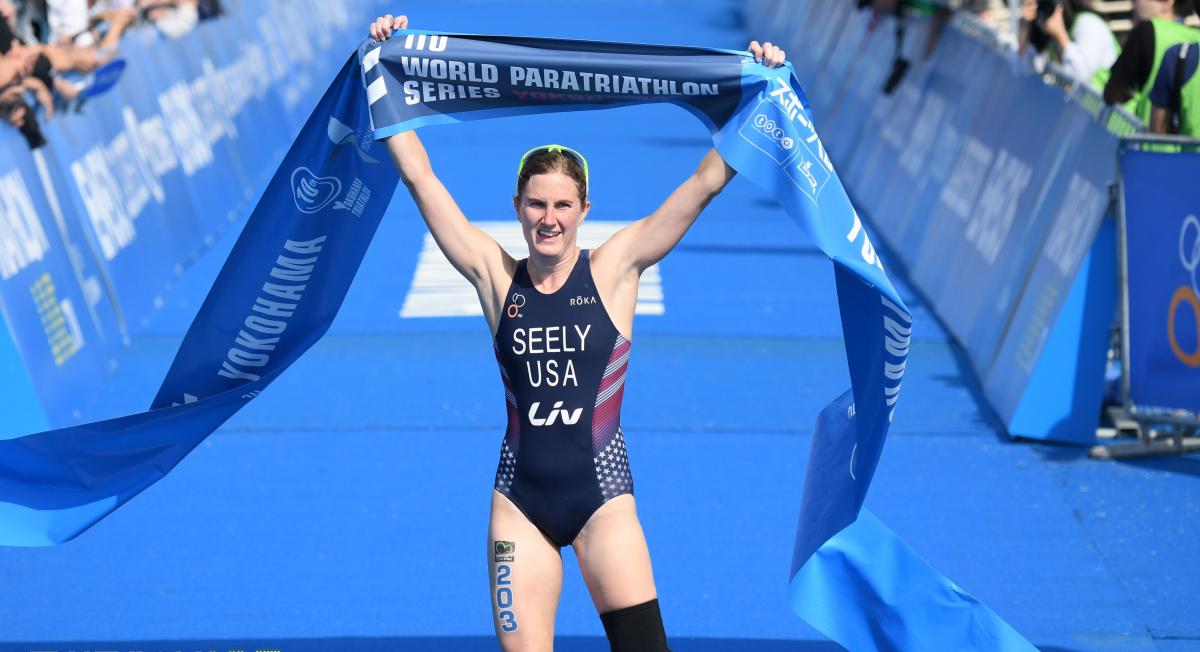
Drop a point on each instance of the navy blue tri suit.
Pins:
(563, 364)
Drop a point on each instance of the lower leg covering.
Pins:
(636, 629)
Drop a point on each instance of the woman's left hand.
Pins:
(1056, 27)
(767, 54)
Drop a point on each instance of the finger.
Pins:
(401, 22)
(385, 26)
(756, 50)
(373, 32)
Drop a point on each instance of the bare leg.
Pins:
(526, 578)
(613, 557)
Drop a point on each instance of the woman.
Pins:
(562, 321)
(1074, 35)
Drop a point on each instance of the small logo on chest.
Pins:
(583, 301)
(514, 308)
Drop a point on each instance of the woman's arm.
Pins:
(648, 240)
(1089, 48)
(472, 252)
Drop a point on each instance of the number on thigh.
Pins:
(503, 597)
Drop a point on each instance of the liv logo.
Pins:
(312, 193)
(568, 418)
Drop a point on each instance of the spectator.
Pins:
(17, 65)
(1147, 76)
(30, 74)
(173, 18)
(67, 19)
(1072, 34)
(48, 47)
(27, 19)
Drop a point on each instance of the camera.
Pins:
(1045, 9)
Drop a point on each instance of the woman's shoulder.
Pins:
(1092, 23)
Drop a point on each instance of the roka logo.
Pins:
(568, 418)
(312, 193)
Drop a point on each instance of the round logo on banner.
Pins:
(312, 193)
(1189, 256)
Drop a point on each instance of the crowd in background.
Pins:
(50, 50)
(1151, 73)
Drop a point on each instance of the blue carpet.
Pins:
(346, 507)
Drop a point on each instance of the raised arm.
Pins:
(472, 252)
(648, 240)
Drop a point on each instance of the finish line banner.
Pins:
(293, 263)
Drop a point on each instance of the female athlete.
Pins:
(562, 321)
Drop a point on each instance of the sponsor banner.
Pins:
(138, 184)
(1074, 216)
(22, 408)
(858, 87)
(79, 251)
(65, 357)
(108, 190)
(830, 78)
(886, 131)
(160, 165)
(245, 90)
(1162, 235)
(1000, 217)
(965, 170)
(931, 145)
(176, 193)
(826, 26)
(946, 208)
(275, 296)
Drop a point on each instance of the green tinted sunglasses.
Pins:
(563, 150)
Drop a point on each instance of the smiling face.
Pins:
(550, 211)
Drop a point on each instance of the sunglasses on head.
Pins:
(562, 150)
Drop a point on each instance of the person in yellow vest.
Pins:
(1155, 74)
(1073, 35)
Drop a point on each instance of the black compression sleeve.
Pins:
(635, 629)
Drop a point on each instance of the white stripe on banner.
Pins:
(370, 59)
(376, 90)
(438, 290)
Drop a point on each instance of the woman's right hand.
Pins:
(381, 29)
